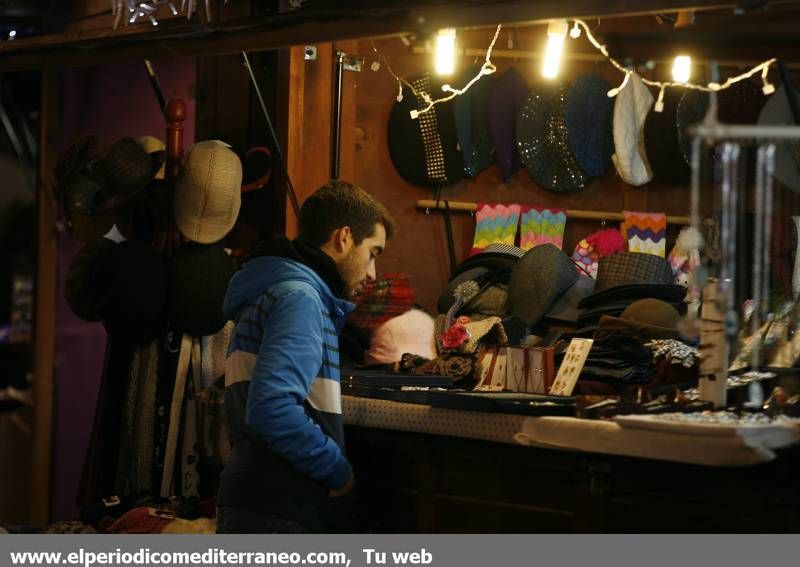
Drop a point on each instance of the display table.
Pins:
(429, 469)
(745, 446)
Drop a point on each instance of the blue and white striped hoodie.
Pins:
(282, 393)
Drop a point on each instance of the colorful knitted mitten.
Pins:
(646, 232)
(541, 226)
(495, 223)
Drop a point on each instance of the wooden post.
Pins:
(45, 306)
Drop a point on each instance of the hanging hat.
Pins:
(543, 142)
(649, 318)
(588, 115)
(633, 275)
(208, 192)
(777, 112)
(198, 280)
(630, 111)
(505, 101)
(134, 284)
(151, 144)
(78, 178)
(662, 143)
(472, 124)
(540, 276)
(81, 287)
(424, 150)
(127, 169)
(741, 103)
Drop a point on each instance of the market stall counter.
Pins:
(440, 469)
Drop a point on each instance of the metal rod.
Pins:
(336, 120)
(151, 74)
(281, 160)
(758, 265)
(730, 132)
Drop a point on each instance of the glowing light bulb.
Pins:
(446, 51)
(556, 32)
(575, 32)
(682, 69)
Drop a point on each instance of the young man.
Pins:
(287, 471)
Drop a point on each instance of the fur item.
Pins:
(411, 332)
(607, 241)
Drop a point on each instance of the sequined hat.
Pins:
(543, 141)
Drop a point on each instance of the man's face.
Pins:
(357, 265)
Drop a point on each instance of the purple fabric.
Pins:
(111, 102)
(505, 100)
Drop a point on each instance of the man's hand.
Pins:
(334, 492)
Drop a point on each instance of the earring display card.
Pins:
(492, 376)
(571, 367)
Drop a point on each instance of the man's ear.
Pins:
(342, 239)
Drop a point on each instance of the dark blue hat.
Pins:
(505, 100)
(589, 112)
(543, 142)
(662, 142)
(472, 123)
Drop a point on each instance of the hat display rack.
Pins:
(719, 322)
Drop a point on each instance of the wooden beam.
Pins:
(372, 19)
(45, 306)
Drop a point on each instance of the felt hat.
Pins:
(537, 279)
(81, 288)
(588, 113)
(565, 307)
(381, 299)
(662, 143)
(127, 169)
(198, 280)
(741, 103)
(505, 101)
(134, 297)
(78, 178)
(630, 112)
(424, 150)
(787, 154)
(649, 318)
(151, 144)
(496, 256)
(472, 124)
(208, 192)
(543, 142)
(491, 288)
(632, 275)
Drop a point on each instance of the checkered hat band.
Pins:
(632, 268)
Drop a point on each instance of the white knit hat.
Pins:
(208, 192)
(630, 110)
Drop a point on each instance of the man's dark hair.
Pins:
(337, 204)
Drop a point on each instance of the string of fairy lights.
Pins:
(557, 31)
